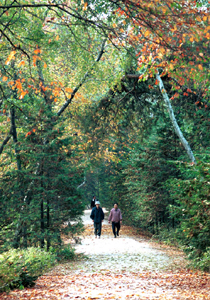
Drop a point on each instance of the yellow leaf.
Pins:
(45, 65)
(147, 33)
(205, 18)
(200, 67)
(57, 38)
(114, 25)
(10, 57)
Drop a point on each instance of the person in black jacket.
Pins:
(92, 204)
(97, 215)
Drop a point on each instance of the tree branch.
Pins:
(173, 119)
(66, 104)
(5, 142)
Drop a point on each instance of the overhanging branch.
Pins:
(173, 119)
(66, 104)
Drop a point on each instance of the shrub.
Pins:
(20, 268)
(168, 236)
(202, 262)
(64, 253)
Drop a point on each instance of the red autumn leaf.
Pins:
(28, 133)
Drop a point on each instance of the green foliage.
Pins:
(168, 236)
(38, 200)
(193, 208)
(202, 262)
(63, 253)
(20, 268)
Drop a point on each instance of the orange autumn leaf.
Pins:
(22, 95)
(28, 133)
(200, 67)
(85, 6)
(35, 58)
(4, 78)
(37, 51)
(22, 63)
(147, 33)
(68, 90)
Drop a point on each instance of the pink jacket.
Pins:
(115, 215)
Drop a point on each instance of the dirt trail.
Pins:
(128, 267)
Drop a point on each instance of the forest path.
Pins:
(128, 267)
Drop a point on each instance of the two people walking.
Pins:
(97, 215)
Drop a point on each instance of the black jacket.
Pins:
(92, 204)
(97, 214)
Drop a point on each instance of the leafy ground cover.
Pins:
(128, 267)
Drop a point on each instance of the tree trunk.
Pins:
(173, 120)
(42, 223)
(48, 225)
(14, 134)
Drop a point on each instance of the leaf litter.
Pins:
(126, 267)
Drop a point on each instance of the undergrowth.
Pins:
(20, 268)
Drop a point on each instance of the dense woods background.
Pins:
(83, 112)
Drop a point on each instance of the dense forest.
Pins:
(108, 98)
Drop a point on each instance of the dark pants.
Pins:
(97, 228)
(116, 225)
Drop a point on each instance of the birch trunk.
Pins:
(173, 120)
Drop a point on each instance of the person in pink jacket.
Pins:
(115, 217)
